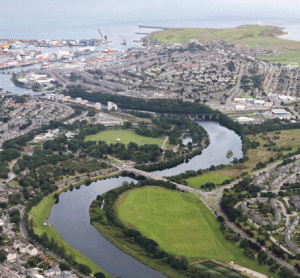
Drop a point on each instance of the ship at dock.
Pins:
(107, 50)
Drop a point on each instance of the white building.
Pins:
(78, 100)
(259, 101)
(111, 106)
(97, 105)
(10, 254)
(256, 49)
(240, 107)
(245, 120)
(281, 113)
(52, 271)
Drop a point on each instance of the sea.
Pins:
(116, 32)
(120, 30)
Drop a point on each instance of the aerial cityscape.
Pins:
(142, 140)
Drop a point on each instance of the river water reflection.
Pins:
(70, 216)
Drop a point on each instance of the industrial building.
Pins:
(281, 113)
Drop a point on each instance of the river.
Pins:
(70, 216)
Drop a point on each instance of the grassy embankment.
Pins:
(125, 136)
(182, 225)
(216, 178)
(264, 36)
(42, 211)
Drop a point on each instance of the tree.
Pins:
(99, 275)
(64, 266)
(85, 269)
(244, 243)
(2, 256)
(262, 257)
(126, 125)
(285, 272)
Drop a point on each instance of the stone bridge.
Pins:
(203, 117)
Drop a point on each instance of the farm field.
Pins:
(125, 136)
(216, 178)
(181, 224)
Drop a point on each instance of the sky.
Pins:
(81, 12)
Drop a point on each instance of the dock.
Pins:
(152, 27)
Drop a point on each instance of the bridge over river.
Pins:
(180, 187)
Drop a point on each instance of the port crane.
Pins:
(103, 37)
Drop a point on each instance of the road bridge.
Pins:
(140, 173)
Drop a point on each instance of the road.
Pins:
(8, 273)
(236, 91)
(11, 174)
(165, 142)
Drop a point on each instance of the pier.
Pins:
(152, 27)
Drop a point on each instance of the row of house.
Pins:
(256, 217)
(288, 234)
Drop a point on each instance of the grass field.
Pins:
(42, 212)
(216, 178)
(181, 225)
(125, 136)
(264, 36)
(287, 138)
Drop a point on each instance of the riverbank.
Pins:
(41, 212)
(115, 236)
(226, 251)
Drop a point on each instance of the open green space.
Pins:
(180, 225)
(286, 138)
(42, 212)
(266, 37)
(216, 178)
(125, 136)
(247, 34)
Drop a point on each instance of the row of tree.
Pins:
(108, 216)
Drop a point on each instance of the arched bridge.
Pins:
(203, 117)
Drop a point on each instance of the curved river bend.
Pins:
(70, 216)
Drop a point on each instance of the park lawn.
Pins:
(125, 136)
(181, 224)
(39, 214)
(216, 178)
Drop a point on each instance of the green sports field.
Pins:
(216, 178)
(125, 136)
(181, 224)
(177, 222)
